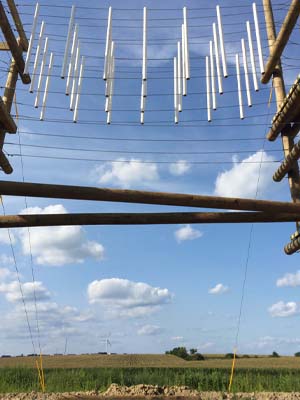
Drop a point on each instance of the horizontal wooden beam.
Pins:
(17, 20)
(19, 221)
(10, 188)
(7, 122)
(287, 163)
(281, 40)
(13, 44)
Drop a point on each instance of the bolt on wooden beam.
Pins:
(17, 20)
(281, 40)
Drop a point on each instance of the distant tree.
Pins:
(297, 354)
(229, 355)
(193, 351)
(197, 357)
(179, 352)
(275, 354)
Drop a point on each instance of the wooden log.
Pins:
(281, 40)
(38, 220)
(7, 122)
(143, 197)
(4, 163)
(287, 163)
(292, 247)
(13, 44)
(17, 20)
(4, 46)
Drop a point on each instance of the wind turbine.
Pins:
(107, 343)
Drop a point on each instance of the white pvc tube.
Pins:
(212, 75)
(184, 83)
(258, 40)
(46, 87)
(72, 60)
(247, 82)
(110, 98)
(31, 40)
(68, 42)
(179, 77)
(216, 46)
(208, 98)
(238, 77)
(186, 44)
(108, 43)
(175, 90)
(75, 116)
(144, 88)
(110, 71)
(75, 77)
(142, 118)
(143, 103)
(37, 57)
(39, 86)
(145, 44)
(221, 38)
(252, 58)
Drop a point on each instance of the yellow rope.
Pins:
(232, 371)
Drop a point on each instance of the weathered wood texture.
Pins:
(17, 20)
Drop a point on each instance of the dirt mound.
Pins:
(149, 390)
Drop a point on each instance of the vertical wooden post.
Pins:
(279, 88)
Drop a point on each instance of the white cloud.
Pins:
(288, 279)
(121, 297)
(6, 260)
(7, 235)
(219, 289)
(6, 273)
(177, 338)
(30, 291)
(186, 232)
(241, 180)
(149, 330)
(58, 245)
(272, 342)
(205, 346)
(179, 168)
(127, 173)
(282, 309)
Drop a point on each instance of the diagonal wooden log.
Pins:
(292, 247)
(287, 163)
(17, 20)
(38, 220)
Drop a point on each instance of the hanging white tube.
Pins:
(31, 40)
(37, 57)
(39, 86)
(175, 90)
(110, 72)
(184, 83)
(258, 40)
(212, 75)
(143, 103)
(238, 77)
(68, 42)
(142, 118)
(179, 77)
(216, 46)
(107, 44)
(72, 60)
(110, 98)
(252, 58)
(75, 77)
(186, 44)
(144, 88)
(145, 45)
(222, 45)
(247, 82)
(46, 87)
(208, 98)
(75, 116)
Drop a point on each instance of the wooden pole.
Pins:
(281, 40)
(38, 220)
(287, 163)
(143, 197)
(292, 247)
(17, 20)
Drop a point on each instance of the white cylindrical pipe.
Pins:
(216, 46)
(37, 57)
(46, 87)
(143, 103)
(107, 43)
(145, 44)
(72, 60)
(252, 58)
(75, 116)
(31, 40)
(247, 82)
(39, 86)
(222, 45)
(184, 83)
(110, 98)
(142, 118)
(212, 75)
(179, 77)
(258, 40)
(208, 97)
(110, 67)
(175, 90)
(238, 77)
(75, 77)
(186, 44)
(144, 88)
(68, 42)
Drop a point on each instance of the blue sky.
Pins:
(148, 288)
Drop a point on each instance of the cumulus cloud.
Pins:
(272, 342)
(282, 309)
(30, 291)
(241, 180)
(122, 297)
(5, 273)
(127, 173)
(219, 289)
(7, 235)
(179, 168)
(58, 245)
(177, 338)
(186, 232)
(149, 330)
(288, 279)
